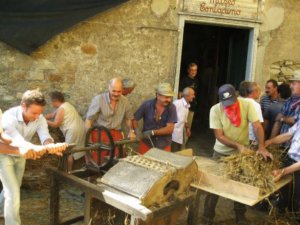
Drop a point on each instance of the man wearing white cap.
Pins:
(159, 117)
(290, 112)
(229, 119)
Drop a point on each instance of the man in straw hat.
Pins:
(159, 116)
(229, 119)
(290, 113)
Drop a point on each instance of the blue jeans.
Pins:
(11, 174)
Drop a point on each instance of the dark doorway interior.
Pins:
(221, 55)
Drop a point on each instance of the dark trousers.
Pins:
(175, 147)
(290, 194)
(211, 201)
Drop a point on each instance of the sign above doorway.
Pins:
(239, 9)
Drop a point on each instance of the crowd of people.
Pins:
(238, 120)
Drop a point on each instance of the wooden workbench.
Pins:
(210, 179)
(121, 201)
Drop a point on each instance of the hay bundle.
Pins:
(252, 169)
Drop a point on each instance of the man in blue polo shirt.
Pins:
(159, 116)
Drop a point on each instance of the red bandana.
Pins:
(233, 113)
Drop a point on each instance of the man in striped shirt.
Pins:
(271, 95)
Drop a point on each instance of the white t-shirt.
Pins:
(182, 110)
(72, 127)
(1, 129)
(257, 107)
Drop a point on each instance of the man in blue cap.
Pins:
(230, 121)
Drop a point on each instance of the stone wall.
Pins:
(137, 40)
(279, 42)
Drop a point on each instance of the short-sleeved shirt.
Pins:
(266, 101)
(294, 151)
(147, 112)
(14, 125)
(186, 81)
(291, 108)
(257, 107)
(102, 114)
(182, 109)
(219, 120)
(271, 115)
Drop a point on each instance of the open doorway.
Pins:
(221, 56)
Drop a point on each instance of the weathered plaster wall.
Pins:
(278, 39)
(137, 40)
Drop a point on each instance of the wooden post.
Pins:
(194, 210)
(54, 200)
(87, 208)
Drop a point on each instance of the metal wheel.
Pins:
(98, 163)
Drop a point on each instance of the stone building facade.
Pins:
(142, 39)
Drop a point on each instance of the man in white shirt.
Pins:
(250, 91)
(181, 127)
(20, 123)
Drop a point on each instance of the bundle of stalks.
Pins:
(251, 168)
(287, 218)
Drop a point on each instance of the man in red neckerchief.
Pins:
(230, 121)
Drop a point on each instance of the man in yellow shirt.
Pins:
(230, 121)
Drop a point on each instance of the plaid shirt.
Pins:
(291, 108)
(294, 151)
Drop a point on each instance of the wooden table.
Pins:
(124, 202)
(211, 180)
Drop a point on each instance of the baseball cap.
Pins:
(227, 95)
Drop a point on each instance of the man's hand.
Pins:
(131, 135)
(57, 148)
(241, 148)
(265, 153)
(148, 133)
(188, 132)
(31, 154)
(278, 174)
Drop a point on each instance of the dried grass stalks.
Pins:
(252, 169)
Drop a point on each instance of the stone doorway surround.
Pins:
(253, 24)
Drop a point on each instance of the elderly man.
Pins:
(230, 121)
(128, 86)
(110, 109)
(250, 91)
(20, 123)
(159, 117)
(271, 95)
(182, 128)
(190, 80)
(290, 194)
(290, 112)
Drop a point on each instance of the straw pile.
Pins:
(252, 169)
